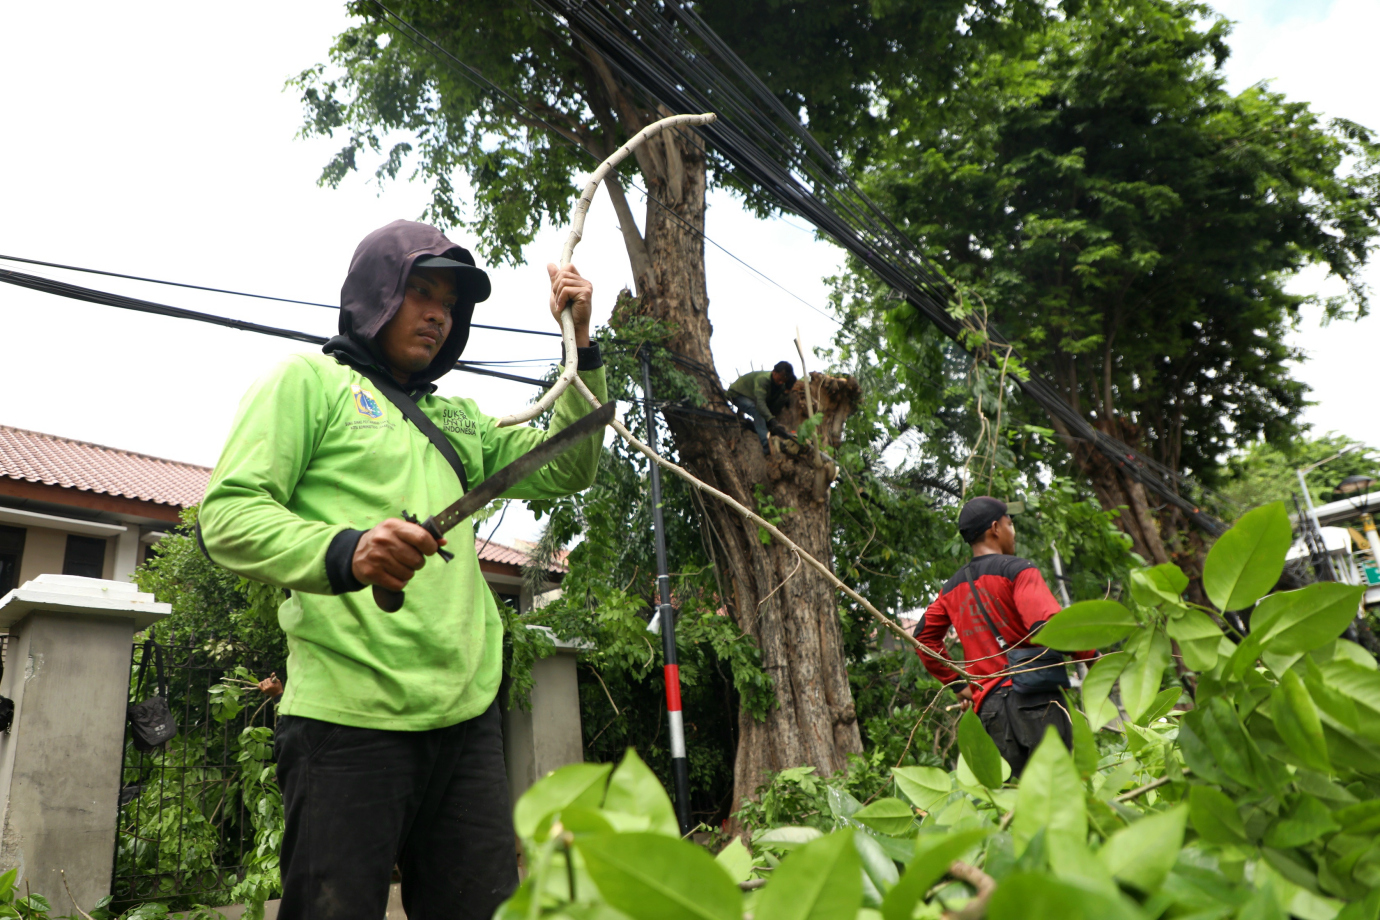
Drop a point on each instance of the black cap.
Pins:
(978, 515)
(471, 283)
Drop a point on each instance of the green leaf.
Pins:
(572, 784)
(787, 838)
(1296, 719)
(1302, 620)
(1160, 705)
(1247, 560)
(654, 877)
(1051, 795)
(1219, 726)
(1085, 753)
(888, 816)
(735, 860)
(7, 882)
(924, 786)
(1197, 635)
(820, 881)
(1087, 625)
(979, 750)
(1097, 688)
(1140, 682)
(877, 865)
(1159, 584)
(1142, 854)
(1305, 822)
(1197, 755)
(635, 790)
(1026, 895)
(1215, 816)
(934, 853)
(1361, 818)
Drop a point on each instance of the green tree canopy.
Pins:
(1107, 204)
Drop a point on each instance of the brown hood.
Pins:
(373, 292)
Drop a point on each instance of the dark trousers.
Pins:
(1017, 721)
(748, 406)
(360, 800)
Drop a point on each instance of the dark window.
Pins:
(85, 556)
(11, 552)
(512, 600)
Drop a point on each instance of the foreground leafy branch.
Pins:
(1262, 800)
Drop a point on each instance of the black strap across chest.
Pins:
(977, 598)
(409, 408)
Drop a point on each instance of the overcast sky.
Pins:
(157, 139)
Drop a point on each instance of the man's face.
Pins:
(411, 339)
(777, 379)
(1006, 535)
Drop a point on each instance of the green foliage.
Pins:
(234, 619)
(1262, 800)
(1099, 197)
(1265, 472)
(399, 104)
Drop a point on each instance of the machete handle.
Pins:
(388, 601)
(392, 601)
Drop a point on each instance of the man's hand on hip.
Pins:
(389, 554)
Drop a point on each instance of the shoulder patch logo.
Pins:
(365, 404)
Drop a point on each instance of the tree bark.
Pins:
(784, 606)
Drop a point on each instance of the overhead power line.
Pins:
(105, 298)
(215, 290)
(668, 52)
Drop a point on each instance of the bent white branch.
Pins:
(577, 229)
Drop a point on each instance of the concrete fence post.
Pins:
(67, 671)
(548, 735)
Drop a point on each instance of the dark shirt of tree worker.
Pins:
(760, 395)
(389, 741)
(1016, 598)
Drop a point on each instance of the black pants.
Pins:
(360, 800)
(1017, 721)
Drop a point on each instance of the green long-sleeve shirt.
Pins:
(758, 386)
(314, 451)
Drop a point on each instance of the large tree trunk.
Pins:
(783, 605)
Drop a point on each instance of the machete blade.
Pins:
(500, 482)
(524, 466)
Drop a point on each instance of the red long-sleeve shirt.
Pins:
(1017, 599)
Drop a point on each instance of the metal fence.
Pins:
(184, 827)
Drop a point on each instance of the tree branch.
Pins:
(632, 239)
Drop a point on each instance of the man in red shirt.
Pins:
(1012, 602)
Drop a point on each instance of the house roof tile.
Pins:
(45, 458)
(37, 457)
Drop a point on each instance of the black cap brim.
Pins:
(472, 283)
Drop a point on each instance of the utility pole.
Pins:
(680, 766)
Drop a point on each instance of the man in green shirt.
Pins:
(760, 395)
(389, 742)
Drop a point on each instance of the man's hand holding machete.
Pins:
(388, 741)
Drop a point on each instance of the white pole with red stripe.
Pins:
(665, 615)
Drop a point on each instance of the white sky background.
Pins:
(156, 139)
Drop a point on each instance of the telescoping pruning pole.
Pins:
(680, 766)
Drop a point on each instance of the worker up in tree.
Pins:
(389, 741)
(761, 395)
(996, 603)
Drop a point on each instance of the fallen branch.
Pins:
(983, 883)
(1154, 784)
